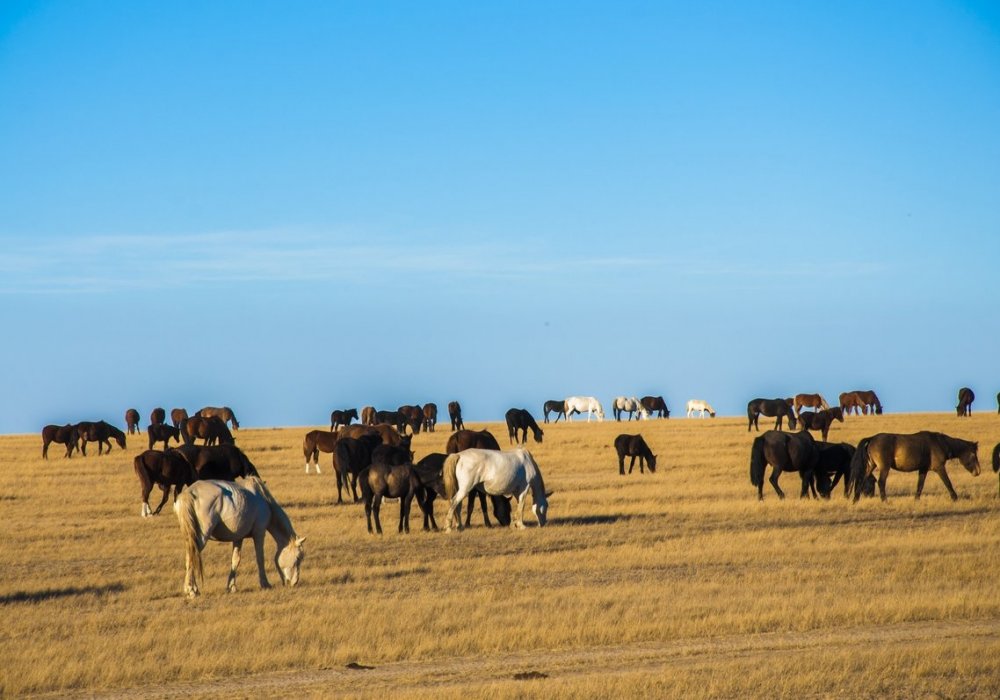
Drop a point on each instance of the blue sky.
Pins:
(294, 207)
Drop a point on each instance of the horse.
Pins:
(965, 398)
(131, 421)
(581, 404)
(998, 402)
(996, 463)
(228, 512)
(862, 402)
(809, 401)
(511, 473)
(393, 418)
(351, 456)
(558, 407)
(342, 418)
(835, 464)
(796, 452)
(634, 446)
(368, 415)
(225, 462)
(211, 429)
(224, 412)
(655, 404)
(381, 480)
(157, 416)
(455, 413)
(620, 404)
(772, 408)
(699, 405)
(317, 441)
(520, 419)
(920, 452)
(820, 420)
(63, 434)
(430, 411)
(101, 433)
(412, 416)
(163, 469)
(482, 440)
(177, 415)
(393, 455)
(162, 432)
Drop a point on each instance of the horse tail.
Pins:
(996, 458)
(823, 402)
(188, 519)
(144, 477)
(859, 469)
(757, 462)
(450, 475)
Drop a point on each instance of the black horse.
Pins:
(430, 411)
(772, 408)
(101, 433)
(344, 417)
(226, 462)
(520, 419)
(785, 452)
(634, 446)
(393, 418)
(162, 432)
(351, 456)
(63, 434)
(393, 455)
(655, 404)
(455, 413)
(556, 406)
(965, 398)
(820, 420)
(835, 464)
(131, 421)
(163, 469)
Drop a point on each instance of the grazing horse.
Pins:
(455, 413)
(211, 429)
(584, 404)
(772, 408)
(163, 469)
(226, 462)
(162, 432)
(157, 416)
(655, 404)
(820, 420)
(699, 405)
(223, 412)
(429, 470)
(796, 452)
(63, 434)
(131, 421)
(809, 401)
(177, 415)
(368, 415)
(621, 404)
(634, 446)
(430, 411)
(557, 407)
(342, 418)
(861, 402)
(228, 512)
(382, 480)
(393, 418)
(965, 398)
(482, 440)
(412, 416)
(996, 463)
(101, 433)
(520, 419)
(920, 452)
(511, 473)
(351, 456)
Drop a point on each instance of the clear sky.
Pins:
(293, 207)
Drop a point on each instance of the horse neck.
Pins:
(954, 447)
(536, 483)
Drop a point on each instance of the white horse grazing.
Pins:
(227, 512)
(699, 405)
(581, 404)
(621, 404)
(512, 473)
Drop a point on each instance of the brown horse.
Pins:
(131, 421)
(870, 402)
(163, 469)
(430, 411)
(157, 416)
(455, 413)
(820, 420)
(850, 402)
(63, 434)
(382, 480)
(412, 416)
(772, 408)
(177, 415)
(920, 452)
(368, 415)
(161, 432)
(965, 398)
(795, 452)
(226, 462)
(317, 441)
(212, 430)
(342, 418)
(634, 446)
(101, 433)
(809, 401)
(224, 413)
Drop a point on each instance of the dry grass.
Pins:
(677, 582)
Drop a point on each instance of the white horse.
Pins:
(699, 405)
(512, 473)
(581, 404)
(227, 512)
(621, 404)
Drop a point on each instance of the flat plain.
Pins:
(677, 582)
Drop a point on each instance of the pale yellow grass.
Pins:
(679, 582)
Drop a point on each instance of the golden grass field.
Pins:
(678, 583)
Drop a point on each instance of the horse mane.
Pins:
(277, 512)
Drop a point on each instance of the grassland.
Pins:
(679, 582)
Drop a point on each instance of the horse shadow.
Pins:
(56, 593)
(591, 520)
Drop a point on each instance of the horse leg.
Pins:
(454, 517)
(166, 492)
(376, 509)
(258, 546)
(621, 464)
(921, 475)
(482, 507)
(947, 482)
(883, 474)
(404, 512)
(518, 522)
(775, 473)
(632, 464)
(368, 515)
(231, 581)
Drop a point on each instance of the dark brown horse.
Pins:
(795, 452)
(996, 463)
(772, 408)
(835, 464)
(809, 401)
(131, 421)
(917, 452)
(63, 434)
(518, 419)
(393, 418)
(212, 430)
(101, 433)
(820, 420)
(223, 412)
(161, 432)
(177, 415)
(655, 404)
(484, 440)
(368, 415)
(393, 454)
(634, 446)
(342, 418)
(163, 469)
(557, 406)
(157, 416)
(430, 411)
(226, 462)
(351, 456)
(382, 480)
(965, 398)
(455, 413)
(412, 416)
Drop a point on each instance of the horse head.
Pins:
(970, 459)
(289, 560)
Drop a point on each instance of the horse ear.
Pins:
(549, 493)
(299, 541)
